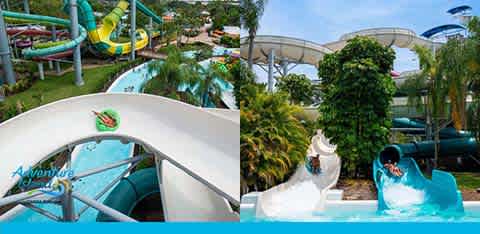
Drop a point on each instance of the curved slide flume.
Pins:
(302, 51)
(68, 45)
(178, 132)
(278, 202)
(100, 36)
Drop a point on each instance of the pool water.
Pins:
(225, 86)
(93, 155)
(216, 51)
(366, 215)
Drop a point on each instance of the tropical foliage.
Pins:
(223, 14)
(357, 92)
(448, 76)
(208, 84)
(474, 67)
(299, 87)
(272, 140)
(171, 74)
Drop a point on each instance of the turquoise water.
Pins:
(225, 86)
(366, 216)
(92, 155)
(216, 51)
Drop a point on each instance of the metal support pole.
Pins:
(50, 65)
(284, 67)
(26, 7)
(7, 5)
(5, 52)
(40, 71)
(58, 69)
(77, 60)
(133, 11)
(271, 65)
(68, 209)
(150, 31)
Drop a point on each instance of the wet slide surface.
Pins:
(283, 200)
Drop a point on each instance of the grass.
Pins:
(467, 180)
(54, 88)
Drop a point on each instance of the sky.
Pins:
(324, 21)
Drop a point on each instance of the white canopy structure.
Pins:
(277, 52)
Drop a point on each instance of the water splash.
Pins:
(298, 197)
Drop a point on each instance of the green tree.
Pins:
(357, 92)
(453, 67)
(474, 68)
(299, 87)
(190, 18)
(170, 74)
(208, 85)
(429, 85)
(272, 140)
(252, 11)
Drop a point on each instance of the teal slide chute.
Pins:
(440, 192)
(130, 191)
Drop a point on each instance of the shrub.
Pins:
(272, 140)
(299, 87)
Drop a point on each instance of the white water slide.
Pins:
(199, 149)
(302, 51)
(281, 200)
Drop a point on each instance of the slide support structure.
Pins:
(284, 65)
(58, 69)
(271, 65)
(68, 208)
(26, 7)
(5, 52)
(77, 60)
(40, 70)
(150, 29)
(7, 5)
(133, 28)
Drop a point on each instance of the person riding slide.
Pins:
(106, 119)
(315, 164)
(393, 168)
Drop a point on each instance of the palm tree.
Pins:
(252, 11)
(454, 68)
(209, 83)
(170, 74)
(428, 84)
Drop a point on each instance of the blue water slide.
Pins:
(445, 133)
(440, 192)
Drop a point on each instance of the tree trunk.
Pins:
(251, 37)
(437, 141)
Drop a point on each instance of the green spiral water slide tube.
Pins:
(56, 48)
(99, 36)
